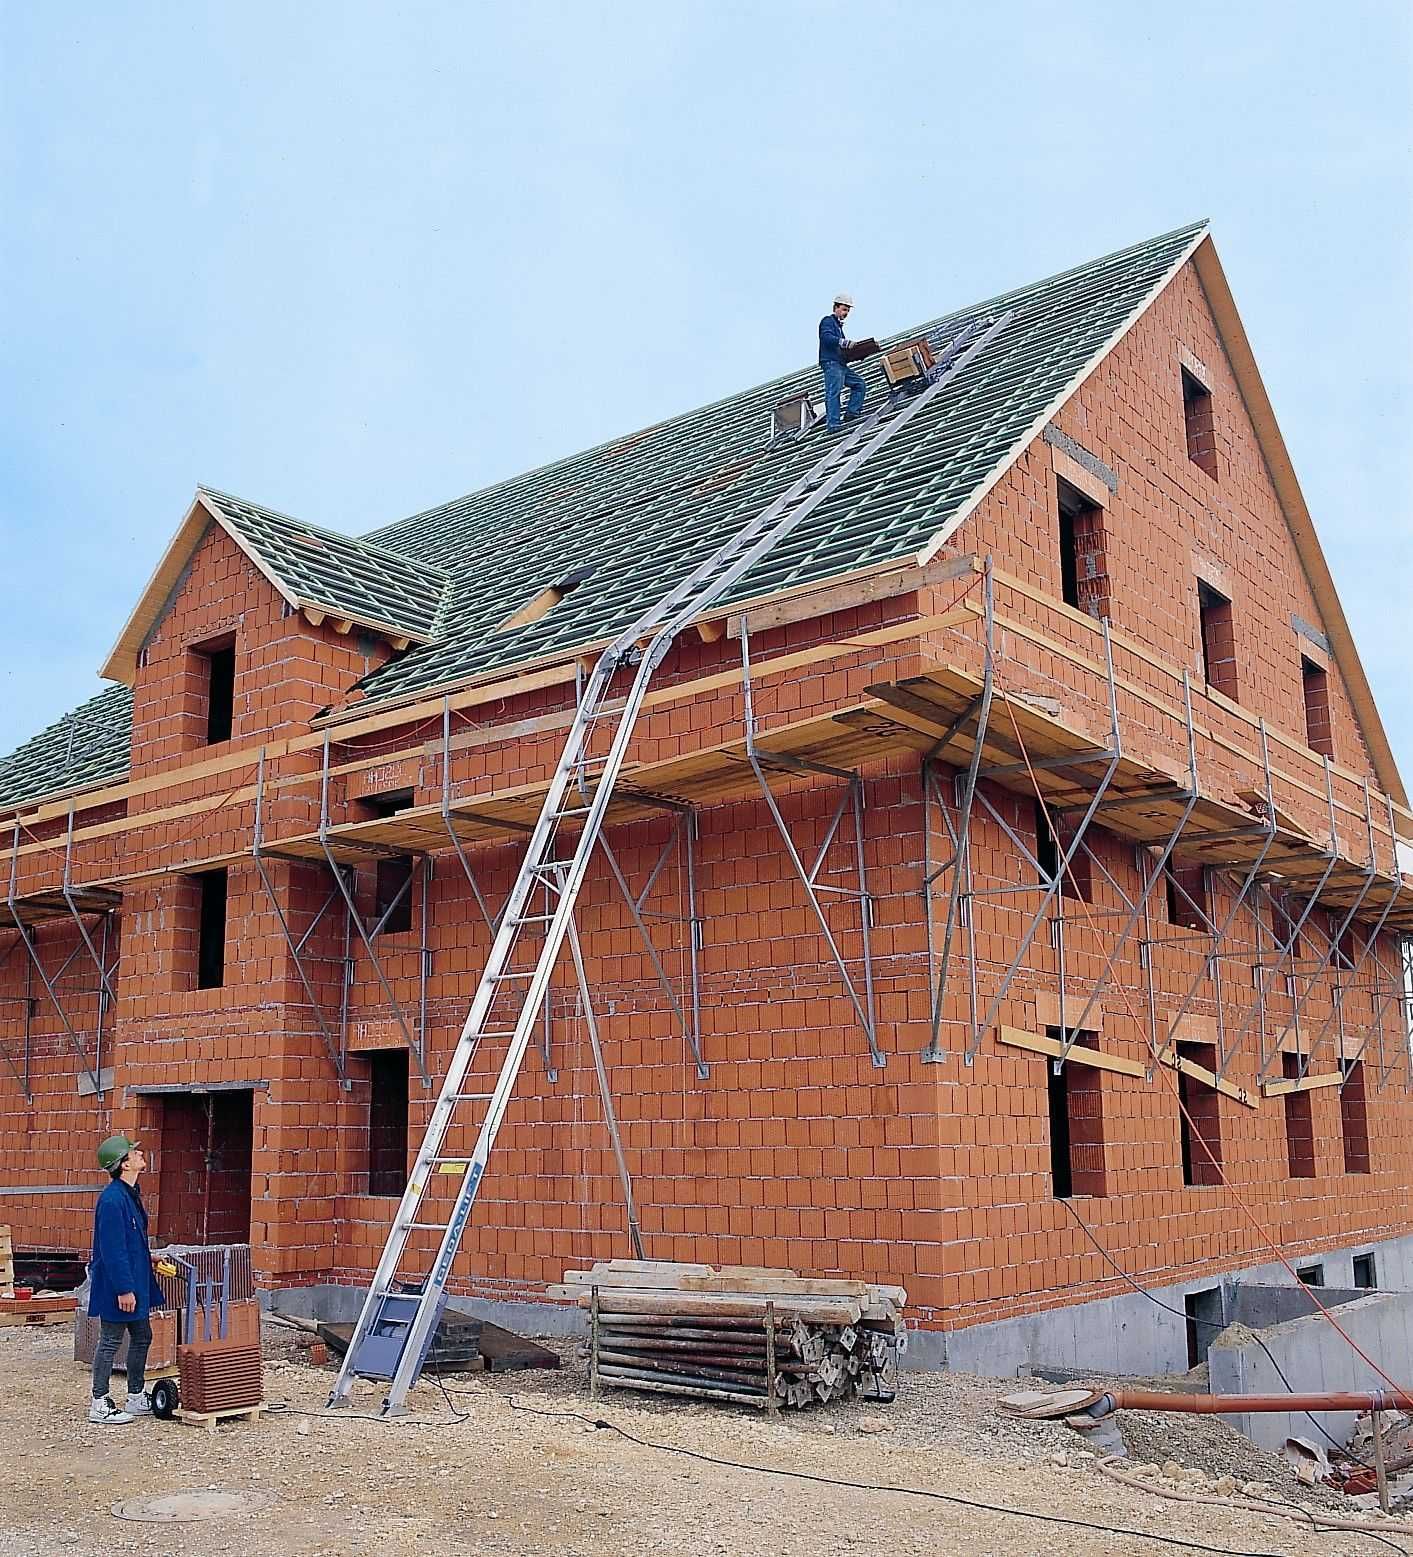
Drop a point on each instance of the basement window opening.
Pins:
(1354, 1118)
(1197, 422)
(1187, 896)
(1199, 1118)
(1084, 571)
(1078, 880)
(1299, 1125)
(1205, 1318)
(1076, 1106)
(1315, 684)
(1218, 640)
(387, 1121)
(543, 601)
(216, 663)
(213, 886)
(1365, 1272)
(1310, 1275)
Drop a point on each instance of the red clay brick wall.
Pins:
(796, 1150)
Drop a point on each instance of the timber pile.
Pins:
(749, 1334)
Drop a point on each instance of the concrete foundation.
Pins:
(1126, 1334)
(1313, 1355)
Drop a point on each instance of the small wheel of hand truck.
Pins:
(166, 1397)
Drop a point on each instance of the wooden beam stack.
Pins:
(750, 1334)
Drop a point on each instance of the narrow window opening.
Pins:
(1284, 919)
(1197, 419)
(1354, 1118)
(1187, 896)
(1299, 1124)
(1205, 1318)
(543, 601)
(1084, 569)
(1076, 1107)
(1310, 1275)
(1346, 948)
(211, 930)
(218, 669)
(377, 807)
(1199, 1118)
(1218, 640)
(1365, 1272)
(1319, 736)
(1050, 845)
(393, 895)
(387, 1121)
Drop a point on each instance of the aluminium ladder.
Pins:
(400, 1313)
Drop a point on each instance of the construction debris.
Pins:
(461, 1343)
(747, 1334)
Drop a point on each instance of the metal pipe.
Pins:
(1240, 1405)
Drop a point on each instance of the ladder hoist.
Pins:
(403, 1306)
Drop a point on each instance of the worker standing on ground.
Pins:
(837, 372)
(122, 1287)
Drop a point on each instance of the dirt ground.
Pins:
(516, 1471)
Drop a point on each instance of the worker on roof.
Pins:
(122, 1286)
(837, 372)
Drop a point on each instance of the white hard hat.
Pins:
(845, 298)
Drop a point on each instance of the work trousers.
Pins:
(139, 1334)
(836, 376)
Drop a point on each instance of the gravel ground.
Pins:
(503, 1478)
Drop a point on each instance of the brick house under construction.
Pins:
(1008, 871)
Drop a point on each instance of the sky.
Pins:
(351, 260)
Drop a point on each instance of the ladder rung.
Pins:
(467, 1097)
(424, 1227)
(498, 978)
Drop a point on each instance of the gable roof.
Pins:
(87, 747)
(316, 570)
(637, 514)
(625, 519)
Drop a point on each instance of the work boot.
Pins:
(139, 1405)
(105, 1411)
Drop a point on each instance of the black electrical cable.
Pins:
(871, 1486)
(1210, 1324)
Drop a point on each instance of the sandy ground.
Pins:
(502, 1478)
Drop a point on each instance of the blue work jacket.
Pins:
(831, 340)
(121, 1261)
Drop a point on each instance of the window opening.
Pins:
(1206, 1314)
(1076, 1107)
(387, 1121)
(1218, 640)
(1310, 1275)
(1299, 1125)
(1199, 1118)
(1084, 571)
(1197, 420)
(1187, 896)
(1354, 1118)
(218, 664)
(1078, 880)
(1365, 1272)
(211, 930)
(394, 875)
(1315, 683)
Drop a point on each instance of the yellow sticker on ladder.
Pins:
(451, 1167)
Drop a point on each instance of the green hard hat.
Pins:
(113, 1150)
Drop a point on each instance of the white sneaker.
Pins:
(139, 1405)
(105, 1410)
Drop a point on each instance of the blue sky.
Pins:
(351, 260)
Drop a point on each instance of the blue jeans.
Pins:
(836, 376)
(111, 1333)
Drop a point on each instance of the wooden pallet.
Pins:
(209, 1419)
(7, 1264)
